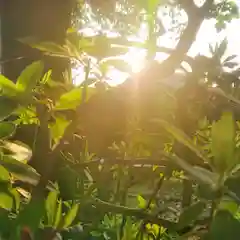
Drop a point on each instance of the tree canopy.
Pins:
(155, 157)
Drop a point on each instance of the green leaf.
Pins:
(190, 214)
(20, 170)
(16, 198)
(6, 200)
(58, 128)
(230, 64)
(224, 226)
(7, 87)
(204, 191)
(7, 129)
(58, 214)
(128, 230)
(48, 47)
(32, 214)
(228, 205)
(229, 58)
(141, 201)
(4, 175)
(223, 143)
(181, 137)
(70, 216)
(30, 76)
(51, 207)
(69, 100)
(222, 48)
(7, 107)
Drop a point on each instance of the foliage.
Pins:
(100, 162)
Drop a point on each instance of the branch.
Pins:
(159, 71)
(137, 213)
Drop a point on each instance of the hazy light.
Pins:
(135, 57)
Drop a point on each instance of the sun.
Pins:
(135, 58)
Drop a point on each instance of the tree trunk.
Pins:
(46, 20)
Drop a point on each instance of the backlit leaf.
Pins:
(7, 87)
(223, 143)
(141, 201)
(51, 207)
(69, 100)
(58, 214)
(30, 76)
(70, 216)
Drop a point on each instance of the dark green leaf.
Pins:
(7, 107)
(224, 226)
(32, 214)
(30, 76)
(20, 170)
(230, 64)
(222, 48)
(49, 47)
(7, 129)
(229, 58)
(190, 214)
(204, 191)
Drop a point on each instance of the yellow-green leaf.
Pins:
(70, 216)
(30, 76)
(223, 143)
(51, 207)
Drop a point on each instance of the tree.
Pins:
(40, 20)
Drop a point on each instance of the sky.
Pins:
(206, 35)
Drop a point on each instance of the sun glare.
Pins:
(136, 56)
